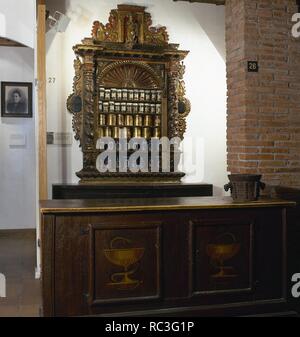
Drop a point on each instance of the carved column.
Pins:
(88, 136)
(173, 99)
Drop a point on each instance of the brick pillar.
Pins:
(263, 108)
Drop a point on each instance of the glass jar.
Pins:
(119, 94)
(153, 108)
(102, 120)
(129, 108)
(107, 94)
(141, 108)
(158, 108)
(105, 107)
(137, 132)
(147, 95)
(114, 93)
(136, 95)
(146, 133)
(135, 108)
(130, 95)
(121, 120)
(111, 120)
(117, 107)
(111, 106)
(125, 94)
(123, 107)
(153, 95)
(129, 120)
(138, 120)
(102, 93)
(142, 95)
(148, 120)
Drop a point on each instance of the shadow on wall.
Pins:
(55, 5)
(77, 14)
(204, 14)
(52, 6)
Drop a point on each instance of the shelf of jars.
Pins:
(126, 113)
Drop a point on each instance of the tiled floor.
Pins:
(17, 263)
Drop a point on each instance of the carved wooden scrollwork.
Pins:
(154, 35)
(109, 32)
(74, 102)
(130, 24)
(129, 74)
(184, 105)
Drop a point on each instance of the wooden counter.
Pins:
(169, 256)
(152, 204)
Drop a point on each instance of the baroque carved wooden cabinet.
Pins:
(129, 85)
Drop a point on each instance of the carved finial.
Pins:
(130, 24)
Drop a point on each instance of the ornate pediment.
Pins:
(131, 25)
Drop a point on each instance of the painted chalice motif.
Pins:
(125, 258)
(225, 248)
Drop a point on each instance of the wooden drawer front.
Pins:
(124, 263)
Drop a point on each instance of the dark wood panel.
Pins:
(71, 266)
(48, 271)
(293, 237)
(77, 191)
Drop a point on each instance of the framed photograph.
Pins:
(16, 99)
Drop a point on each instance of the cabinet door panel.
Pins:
(223, 257)
(238, 256)
(124, 263)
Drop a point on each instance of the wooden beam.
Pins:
(214, 2)
(9, 43)
(41, 74)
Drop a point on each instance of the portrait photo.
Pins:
(16, 99)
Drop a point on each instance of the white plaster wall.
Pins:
(199, 28)
(17, 164)
(17, 21)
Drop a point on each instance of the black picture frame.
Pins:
(16, 99)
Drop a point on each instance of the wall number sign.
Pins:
(51, 80)
(253, 67)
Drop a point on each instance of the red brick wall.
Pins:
(263, 108)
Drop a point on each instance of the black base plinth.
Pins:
(144, 190)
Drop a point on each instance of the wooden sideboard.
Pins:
(169, 257)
